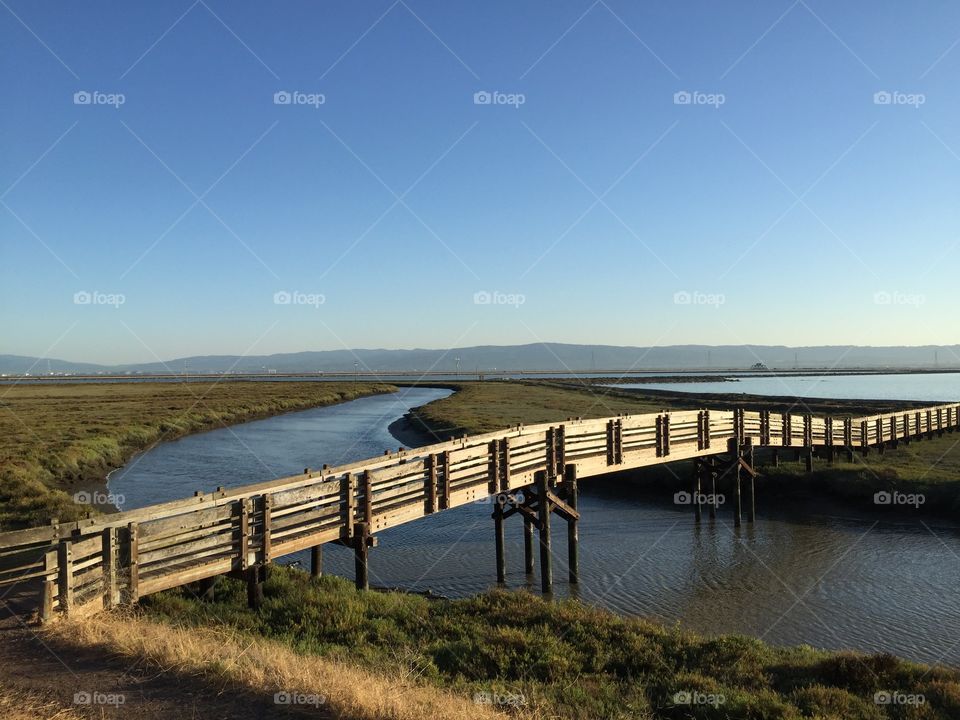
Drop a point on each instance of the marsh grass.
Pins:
(564, 659)
(54, 439)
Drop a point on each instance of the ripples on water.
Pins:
(812, 574)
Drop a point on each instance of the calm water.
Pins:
(818, 575)
(933, 386)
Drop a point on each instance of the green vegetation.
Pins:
(930, 468)
(492, 405)
(565, 659)
(56, 438)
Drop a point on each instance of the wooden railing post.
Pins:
(65, 576)
(111, 593)
(133, 562)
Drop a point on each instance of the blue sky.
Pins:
(786, 203)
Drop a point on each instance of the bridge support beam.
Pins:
(256, 574)
(775, 458)
(528, 546)
(361, 547)
(712, 472)
(733, 447)
(546, 556)
(498, 533)
(573, 533)
(698, 470)
(206, 589)
(316, 561)
(808, 459)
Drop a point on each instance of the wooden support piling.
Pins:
(527, 546)
(546, 559)
(361, 556)
(206, 589)
(255, 577)
(711, 468)
(734, 448)
(697, 474)
(498, 533)
(573, 533)
(316, 561)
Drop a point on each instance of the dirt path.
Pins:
(43, 678)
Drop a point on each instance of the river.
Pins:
(823, 575)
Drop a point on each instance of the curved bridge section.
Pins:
(116, 559)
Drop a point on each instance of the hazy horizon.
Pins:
(215, 178)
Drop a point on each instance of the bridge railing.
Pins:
(117, 558)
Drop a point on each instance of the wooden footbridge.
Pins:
(532, 471)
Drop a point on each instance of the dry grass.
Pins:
(225, 657)
(16, 705)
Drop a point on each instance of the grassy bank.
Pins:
(562, 659)
(55, 439)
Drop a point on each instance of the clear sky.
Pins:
(160, 211)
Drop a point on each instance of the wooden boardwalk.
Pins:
(531, 471)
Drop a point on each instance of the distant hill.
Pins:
(558, 357)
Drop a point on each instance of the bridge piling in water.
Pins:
(546, 556)
(528, 546)
(698, 467)
(498, 533)
(573, 533)
(361, 545)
